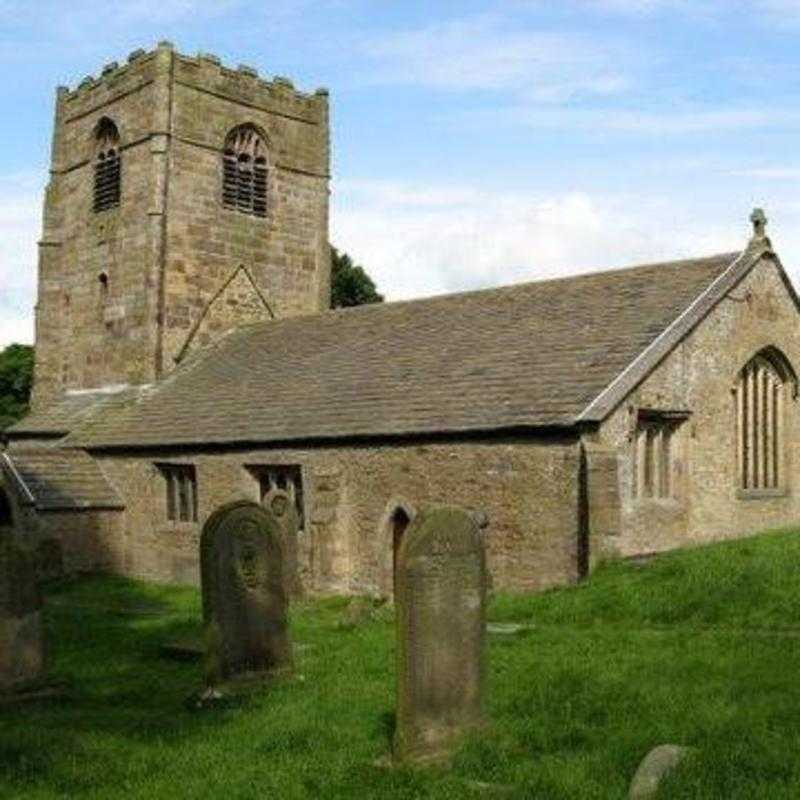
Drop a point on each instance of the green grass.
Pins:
(700, 648)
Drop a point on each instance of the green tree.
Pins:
(16, 378)
(350, 284)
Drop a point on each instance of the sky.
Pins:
(474, 143)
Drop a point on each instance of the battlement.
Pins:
(153, 237)
(241, 82)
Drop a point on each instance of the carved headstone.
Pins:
(21, 638)
(440, 600)
(282, 507)
(245, 603)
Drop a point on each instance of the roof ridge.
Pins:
(466, 293)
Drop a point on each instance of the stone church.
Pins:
(186, 356)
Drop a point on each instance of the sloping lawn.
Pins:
(699, 648)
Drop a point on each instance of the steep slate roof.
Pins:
(53, 479)
(547, 353)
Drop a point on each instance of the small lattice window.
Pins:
(244, 172)
(655, 455)
(181, 488)
(287, 477)
(107, 167)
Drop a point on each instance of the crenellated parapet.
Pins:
(205, 69)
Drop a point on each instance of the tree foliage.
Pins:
(16, 378)
(350, 284)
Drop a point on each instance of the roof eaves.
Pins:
(332, 439)
(8, 466)
(651, 356)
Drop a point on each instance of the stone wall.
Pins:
(529, 489)
(170, 247)
(67, 542)
(83, 339)
(287, 251)
(699, 376)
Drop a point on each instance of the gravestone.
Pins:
(282, 507)
(656, 766)
(21, 638)
(245, 603)
(440, 600)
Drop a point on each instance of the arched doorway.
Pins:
(398, 523)
(6, 515)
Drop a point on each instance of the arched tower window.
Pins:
(761, 392)
(244, 171)
(106, 166)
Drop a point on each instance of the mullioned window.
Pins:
(760, 399)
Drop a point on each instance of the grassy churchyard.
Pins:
(698, 648)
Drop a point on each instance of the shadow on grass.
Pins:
(386, 726)
(104, 637)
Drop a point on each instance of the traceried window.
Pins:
(760, 394)
(180, 483)
(289, 478)
(244, 171)
(656, 452)
(107, 166)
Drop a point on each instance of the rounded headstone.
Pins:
(440, 601)
(655, 766)
(245, 604)
(282, 506)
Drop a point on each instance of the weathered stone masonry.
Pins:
(700, 375)
(350, 494)
(185, 354)
(170, 247)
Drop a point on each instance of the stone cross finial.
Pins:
(759, 220)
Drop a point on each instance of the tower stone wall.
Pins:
(123, 291)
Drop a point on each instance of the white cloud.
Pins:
(20, 219)
(770, 173)
(171, 10)
(84, 11)
(639, 7)
(666, 123)
(485, 52)
(489, 238)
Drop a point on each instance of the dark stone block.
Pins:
(21, 639)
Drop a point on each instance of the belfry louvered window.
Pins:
(760, 398)
(107, 167)
(244, 171)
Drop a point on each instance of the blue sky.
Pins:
(475, 143)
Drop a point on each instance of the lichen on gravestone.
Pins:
(245, 603)
(440, 600)
(282, 506)
(660, 762)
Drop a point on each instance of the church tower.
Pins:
(185, 198)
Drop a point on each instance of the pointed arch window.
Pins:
(244, 171)
(761, 392)
(107, 166)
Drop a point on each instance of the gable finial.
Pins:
(759, 220)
